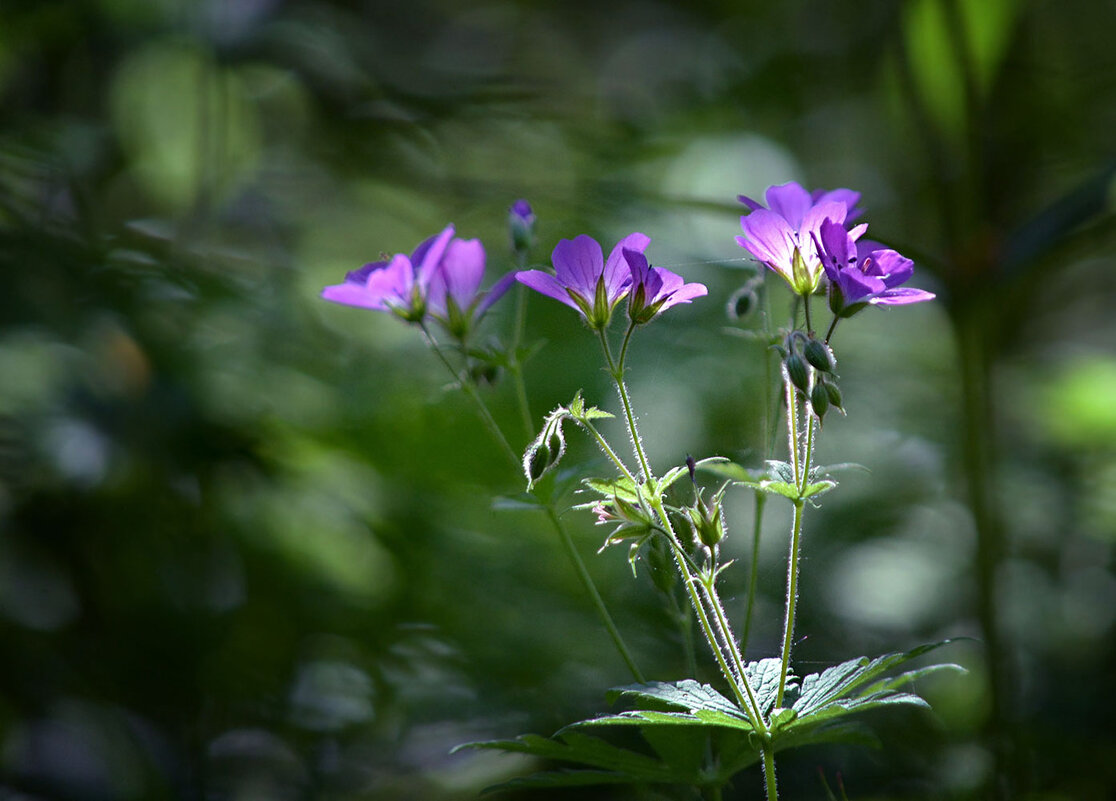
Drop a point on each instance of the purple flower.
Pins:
(655, 289)
(583, 280)
(864, 272)
(441, 278)
(453, 296)
(399, 286)
(791, 200)
(784, 237)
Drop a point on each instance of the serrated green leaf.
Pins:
(840, 689)
(764, 678)
(687, 694)
(723, 468)
(593, 413)
(622, 487)
(649, 717)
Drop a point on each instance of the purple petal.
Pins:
(846, 196)
(836, 244)
(428, 255)
(856, 286)
(790, 201)
(901, 296)
(768, 237)
(637, 263)
(497, 292)
(394, 282)
(893, 268)
(548, 285)
(684, 294)
(616, 271)
(578, 263)
(747, 201)
(462, 269)
(360, 276)
(352, 295)
(811, 226)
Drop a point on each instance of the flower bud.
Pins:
(834, 393)
(819, 400)
(797, 371)
(547, 449)
(708, 521)
(521, 226)
(742, 302)
(819, 355)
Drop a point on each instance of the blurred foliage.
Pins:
(247, 547)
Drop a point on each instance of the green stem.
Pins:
(757, 526)
(468, 388)
(742, 697)
(806, 306)
(769, 773)
(617, 371)
(802, 478)
(608, 451)
(730, 644)
(792, 600)
(734, 673)
(563, 535)
(832, 328)
(591, 588)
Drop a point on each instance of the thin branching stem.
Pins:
(552, 514)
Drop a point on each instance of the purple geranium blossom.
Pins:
(791, 200)
(454, 296)
(399, 285)
(583, 280)
(655, 289)
(864, 272)
(784, 237)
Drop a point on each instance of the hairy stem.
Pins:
(770, 784)
(567, 543)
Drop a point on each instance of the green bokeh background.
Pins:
(247, 542)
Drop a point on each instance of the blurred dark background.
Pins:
(247, 544)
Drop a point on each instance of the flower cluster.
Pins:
(804, 236)
(441, 278)
(592, 286)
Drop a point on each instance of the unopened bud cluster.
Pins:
(811, 368)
